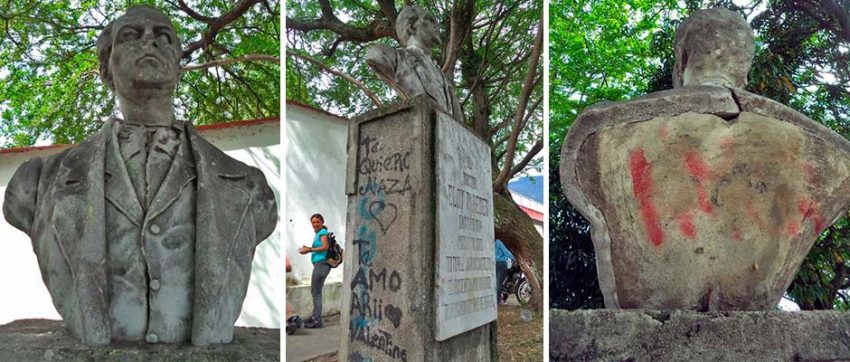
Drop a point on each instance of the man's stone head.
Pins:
(139, 53)
(713, 47)
(414, 21)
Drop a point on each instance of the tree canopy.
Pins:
(491, 51)
(50, 89)
(616, 50)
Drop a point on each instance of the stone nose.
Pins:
(149, 38)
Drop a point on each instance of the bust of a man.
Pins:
(705, 196)
(410, 71)
(144, 231)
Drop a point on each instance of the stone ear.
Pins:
(679, 66)
(411, 28)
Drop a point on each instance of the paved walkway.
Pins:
(320, 345)
(310, 344)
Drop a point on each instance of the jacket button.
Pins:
(154, 229)
(155, 284)
(151, 338)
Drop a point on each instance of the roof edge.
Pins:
(201, 129)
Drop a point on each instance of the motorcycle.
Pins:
(515, 283)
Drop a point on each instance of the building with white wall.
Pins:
(314, 145)
(255, 142)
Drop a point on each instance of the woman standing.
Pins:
(321, 268)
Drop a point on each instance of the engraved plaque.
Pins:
(466, 273)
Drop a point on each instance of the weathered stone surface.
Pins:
(47, 340)
(716, 215)
(389, 287)
(713, 47)
(641, 335)
(702, 197)
(302, 301)
(144, 231)
(466, 276)
(411, 71)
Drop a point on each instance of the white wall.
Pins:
(24, 293)
(314, 144)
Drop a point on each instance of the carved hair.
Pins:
(404, 22)
(105, 39)
(714, 35)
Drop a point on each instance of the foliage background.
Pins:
(606, 50)
(50, 90)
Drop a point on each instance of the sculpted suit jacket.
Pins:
(59, 202)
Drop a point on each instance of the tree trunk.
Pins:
(516, 230)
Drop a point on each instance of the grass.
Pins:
(518, 340)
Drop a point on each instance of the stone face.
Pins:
(640, 335)
(703, 197)
(47, 340)
(466, 277)
(389, 288)
(144, 231)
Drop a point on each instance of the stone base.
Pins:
(301, 299)
(46, 340)
(643, 335)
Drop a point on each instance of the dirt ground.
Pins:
(518, 340)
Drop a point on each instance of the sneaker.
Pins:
(313, 324)
(293, 323)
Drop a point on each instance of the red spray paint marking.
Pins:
(793, 228)
(700, 171)
(726, 143)
(809, 210)
(736, 235)
(753, 214)
(641, 171)
(686, 225)
(810, 172)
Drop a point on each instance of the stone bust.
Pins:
(410, 71)
(703, 197)
(144, 231)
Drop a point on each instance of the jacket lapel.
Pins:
(119, 189)
(179, 175)
(223, 231)
(78, 222)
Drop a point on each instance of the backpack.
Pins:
(334, 251)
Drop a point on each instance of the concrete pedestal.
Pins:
(642, 335)
(47, 340)
(419, 278)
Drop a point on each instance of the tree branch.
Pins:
(216, 24)
(461, 17)
(342, 75)
(221, 62)
(389, 10)
(192, 13)
(528, 86)
(528, 157)
(375, 30)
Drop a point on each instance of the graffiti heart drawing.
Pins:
(384, 213)
(394, 314)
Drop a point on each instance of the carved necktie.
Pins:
(148, 152)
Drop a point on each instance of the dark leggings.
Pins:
(320, 273)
